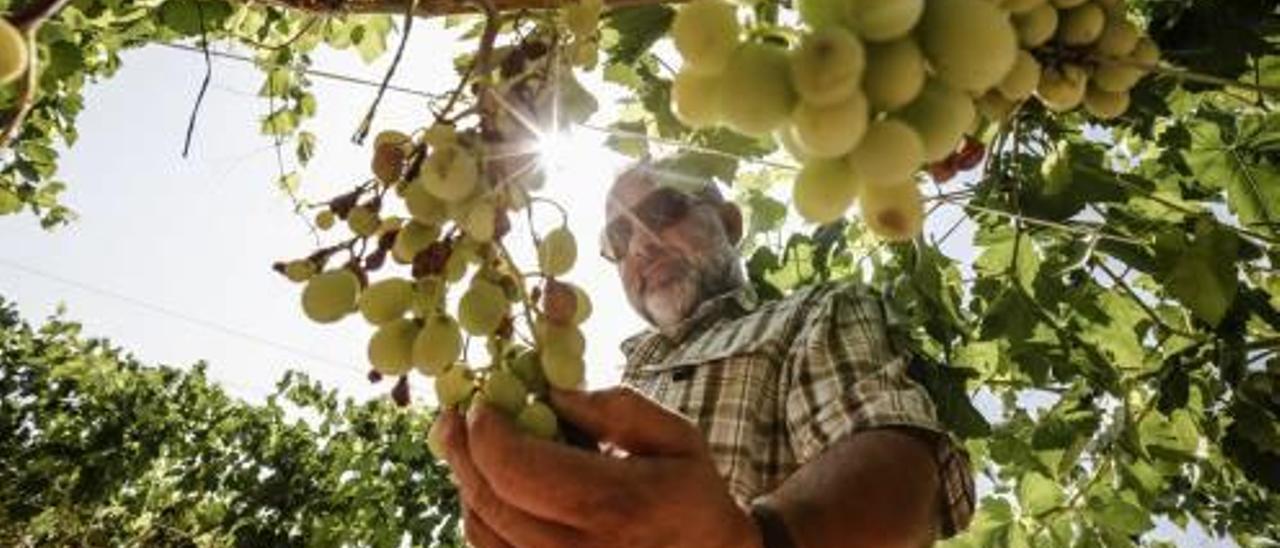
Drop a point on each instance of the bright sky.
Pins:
(170, 258)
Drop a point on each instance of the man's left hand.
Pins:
(522, 492)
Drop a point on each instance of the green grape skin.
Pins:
(505, 391)
(1036, 26)
(889, 152)
(827, 66)
(561, 355)
(454, 386)
(13, 52)
(412, 238)
(482, 308)
(325, 220)
(300, 270)
(557, 252)
(435, 438)
(756, 93)
(892, 212)
(940, 115)
(695, 98)
(705, 33)
(330, 296)
(437, 345)
(363, 221)
(883, 20)
(386, 300)
(895, 74)
(527, 366)
(423, 206)
(538, 420)
(970, 44)
(832, 131)
(824, 190)
(391, 347)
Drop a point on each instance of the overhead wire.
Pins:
(295, 351)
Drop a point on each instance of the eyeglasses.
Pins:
(662, 208)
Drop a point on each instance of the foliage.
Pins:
(1120, 311)
(100, 450)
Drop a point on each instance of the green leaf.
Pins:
(1118, 515)
(1038, 494)
(999, 256)
(1201, 273)
(638, 28)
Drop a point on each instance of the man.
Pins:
(791, 423)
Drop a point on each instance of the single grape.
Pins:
(538, 420)
(391, 347)
(450, 174)
(300, 270)
(1082, 25)
(386, 300)
(557, 252)
(883, 20)
(829, 132)
(1119, 38)
(528, 366)
(331, 295)
(1037, 26)
(892, 212)
(895, 74)
(824, 190)
(412, 239)
(706, 33)
(325, 220)
(889, 153)
(941, 115)
(695, 98)
(13, 52)
(1105, 105)
(480, 220)
(970, 43)
(827, 66)
(363, 221)
(454, 386)
(756, 93)
(1021, 82)
(1062, 88)
(437, 345)
(390, 152)
(482, 307)
(435, 438)
(505, 391)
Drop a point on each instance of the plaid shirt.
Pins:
(772, 385)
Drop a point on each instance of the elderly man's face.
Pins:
(673, 249)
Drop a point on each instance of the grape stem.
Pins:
(363, 130)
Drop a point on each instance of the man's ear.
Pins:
(731, 218)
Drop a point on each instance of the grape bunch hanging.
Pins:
(458, 182)
(871, 93)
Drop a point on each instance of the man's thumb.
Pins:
(625, 418)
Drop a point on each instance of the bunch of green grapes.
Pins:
(869, 92)
(1075, 52)
(457, 185)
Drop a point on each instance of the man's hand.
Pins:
(522, 492)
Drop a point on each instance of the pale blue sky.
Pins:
(171, 257)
